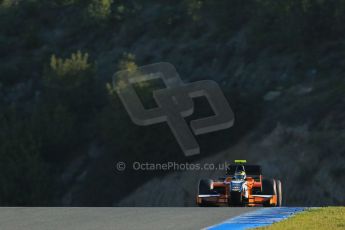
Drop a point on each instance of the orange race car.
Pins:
(242, 186)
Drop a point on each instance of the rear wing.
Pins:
(253, 171)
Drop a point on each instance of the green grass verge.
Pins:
(314, 218)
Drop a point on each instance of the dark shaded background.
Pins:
(62, 127)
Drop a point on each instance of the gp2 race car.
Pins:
(243, 185)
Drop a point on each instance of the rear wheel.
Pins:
(205, 186)
(279, 193)
(269, 187)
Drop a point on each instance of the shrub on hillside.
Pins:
(70, 98)
(100, 9)
(25, 178)
(70, 67)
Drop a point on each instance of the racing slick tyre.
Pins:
(236, 199)
(279, 193)
(269, 187)
(205, 187)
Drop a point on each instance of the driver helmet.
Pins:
(241, 175)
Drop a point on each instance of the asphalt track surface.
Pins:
(114, 218)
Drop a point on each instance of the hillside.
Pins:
(63, 128)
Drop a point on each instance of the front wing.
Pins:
(222, 200)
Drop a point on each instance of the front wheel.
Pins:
(279, 193)
(269, 187)
(204, 188)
